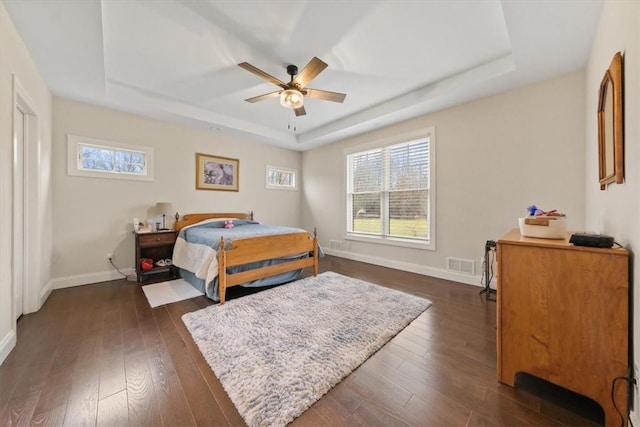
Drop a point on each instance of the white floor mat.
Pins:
(168, 292)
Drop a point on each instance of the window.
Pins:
(390, 193)
(282, 178)
(106, 159)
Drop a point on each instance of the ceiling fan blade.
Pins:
(300, 111)
(263, 97)
(309, 72)
(325, 95)
(258, 72)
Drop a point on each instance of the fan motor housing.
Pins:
(292, 70)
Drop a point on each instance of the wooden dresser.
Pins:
(563, 316)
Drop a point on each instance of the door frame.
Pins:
(18, 212)
(32, 225)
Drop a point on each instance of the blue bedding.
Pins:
(210, 233)
(203, 239)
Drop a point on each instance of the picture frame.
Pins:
(610, 125)
(217, 173)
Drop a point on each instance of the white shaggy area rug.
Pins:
(278, 351)
(167, 292)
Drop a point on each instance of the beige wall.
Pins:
(93, 216)
(494, 157)
(15, 63)
(616, 210)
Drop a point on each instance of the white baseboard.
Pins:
(85, 279)
(103, 276)
(440, 273)
(7, 344)
(633, 417)
(45, 292)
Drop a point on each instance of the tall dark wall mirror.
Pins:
(610, 125)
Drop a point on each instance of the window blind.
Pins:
(388, 191)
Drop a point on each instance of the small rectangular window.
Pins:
(107, 159)
(282, 178)
(97, 158)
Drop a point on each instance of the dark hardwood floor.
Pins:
(99, 355)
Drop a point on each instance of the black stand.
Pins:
(488, 271)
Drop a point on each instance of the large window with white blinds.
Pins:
(390, 192)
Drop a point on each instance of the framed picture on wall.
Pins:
(216, 173)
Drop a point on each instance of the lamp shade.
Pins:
(291, 98)
(164, 208)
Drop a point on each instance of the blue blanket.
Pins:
(210, 233)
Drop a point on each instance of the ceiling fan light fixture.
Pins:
(291, 98)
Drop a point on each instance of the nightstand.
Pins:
(156, 245)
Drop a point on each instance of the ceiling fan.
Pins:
(293, 93)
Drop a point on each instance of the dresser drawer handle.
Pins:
(157, 239)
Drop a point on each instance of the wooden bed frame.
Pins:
(190, 219)
(254, 249)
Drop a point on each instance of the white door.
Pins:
(18, 211)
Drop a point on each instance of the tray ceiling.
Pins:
(177, 60)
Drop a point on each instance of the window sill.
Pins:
(426, 245)
(280, 187)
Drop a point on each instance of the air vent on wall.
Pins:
(459, 265)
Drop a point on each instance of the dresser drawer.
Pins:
(156, 239)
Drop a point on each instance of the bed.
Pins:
(214, 258)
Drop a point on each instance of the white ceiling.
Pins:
(177, 60)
